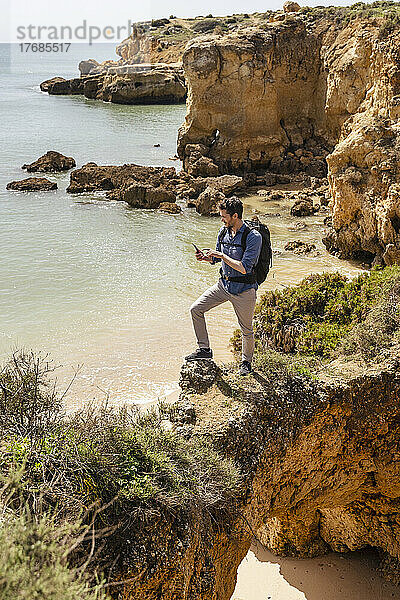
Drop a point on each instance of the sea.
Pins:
(100, 289)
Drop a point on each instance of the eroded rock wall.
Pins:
(363, 167)
(255, 97)
(321, 472)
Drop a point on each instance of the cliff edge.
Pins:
(316, 443)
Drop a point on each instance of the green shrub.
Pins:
(343, 15)
(99, 457)
(23, 408)
(120, 469)
(378, 330)
(313, 317)
(34, 560)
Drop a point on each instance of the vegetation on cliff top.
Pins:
(34, 551)
(326, 314)
(117, 469)
(177, 30)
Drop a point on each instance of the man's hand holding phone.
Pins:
(202, 254)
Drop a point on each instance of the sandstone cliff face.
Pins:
(363, 168)
(254, 98)
(311, 96)
(321, 465)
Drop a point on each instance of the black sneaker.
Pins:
(245, 368)
(199, 354)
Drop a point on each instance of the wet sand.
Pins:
(351, 576)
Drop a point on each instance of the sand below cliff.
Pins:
(352, 576)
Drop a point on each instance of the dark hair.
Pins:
(232, 205)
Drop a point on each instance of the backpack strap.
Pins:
(221, 235)
(244, 237)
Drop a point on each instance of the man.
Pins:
(236, 285)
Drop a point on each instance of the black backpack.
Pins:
(264, 263)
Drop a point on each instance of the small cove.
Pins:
(105, 289)
(96, 285)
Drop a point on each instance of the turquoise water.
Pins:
(90, 282)
(95, 283)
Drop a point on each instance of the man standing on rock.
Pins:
(237, 283)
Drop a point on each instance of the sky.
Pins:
(107, 17)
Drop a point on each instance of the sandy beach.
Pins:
(352, 576)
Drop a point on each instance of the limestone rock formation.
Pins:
(140, 187)
(204, 193)
(306, 94)
(246, 105)
(92, 177)
(51, 162)
(44, 86)
(363, 87)
(32, 184)
(124, 84)
(312, 91)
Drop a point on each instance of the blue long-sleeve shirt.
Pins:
(231, 245)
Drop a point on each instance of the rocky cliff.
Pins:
(318, 454)
(313, 91)
(321, 463)
(254, 97)
(363, 167)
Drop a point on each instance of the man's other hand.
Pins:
(210, 253)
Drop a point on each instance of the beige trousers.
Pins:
(243, 305)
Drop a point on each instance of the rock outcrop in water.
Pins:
(44, 86)
(125, 84)
(140, 187)
(51, 162)
(32, 184)
(148, 187)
